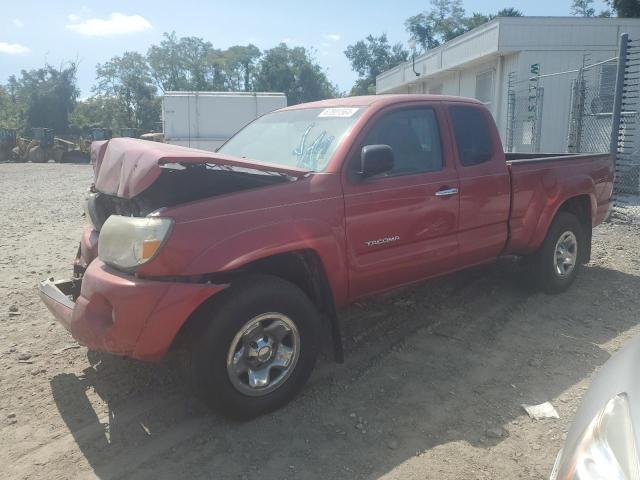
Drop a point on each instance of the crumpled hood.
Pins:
(125, 167)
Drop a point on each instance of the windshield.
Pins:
(304, 138)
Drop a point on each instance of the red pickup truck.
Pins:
(252, 249)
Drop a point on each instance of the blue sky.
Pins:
(32, 32)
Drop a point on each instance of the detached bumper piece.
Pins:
(58, 297)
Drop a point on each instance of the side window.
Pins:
(472, 135)
(414, 137)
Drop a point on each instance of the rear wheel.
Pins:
(555, 266)
(256, 346)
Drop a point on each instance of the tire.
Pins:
(253, 303)
(555, 275)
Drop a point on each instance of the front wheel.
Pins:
(256, 346)
(555, 266)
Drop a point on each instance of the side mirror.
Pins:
(375, 159)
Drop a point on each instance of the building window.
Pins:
(484, 87)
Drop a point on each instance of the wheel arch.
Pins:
(303, 268)
(582, 207)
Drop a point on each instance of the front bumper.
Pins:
(122, 314)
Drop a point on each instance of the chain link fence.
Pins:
(599, 119)
(591, 107)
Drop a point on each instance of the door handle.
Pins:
(446, 192)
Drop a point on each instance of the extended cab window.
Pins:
(472, 135)
(414, 137)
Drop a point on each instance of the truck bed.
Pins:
(542, 182)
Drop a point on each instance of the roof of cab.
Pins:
(379, 100)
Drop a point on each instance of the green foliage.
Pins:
(97, 112)
(583, 8)
(428, 29)
(294, 72)
(445, 21)
(39, 98)
(370, 57)
(128, 79)
(626, 8)
(127, 86)
(9, 111)
(190, 63)
(239, 65)
(509, 12)
(476, 20)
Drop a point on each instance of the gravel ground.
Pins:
(431, 388)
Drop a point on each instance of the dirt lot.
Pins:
(431, 387)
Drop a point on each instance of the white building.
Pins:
(478, 63)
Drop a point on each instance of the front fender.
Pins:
(255, 243)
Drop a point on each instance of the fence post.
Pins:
(572, 137)
(617, 98)
(581, 92)
(538, 128)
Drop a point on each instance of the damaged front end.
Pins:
(107, 305)
(176, 184)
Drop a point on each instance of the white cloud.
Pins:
(73, 17)
(115, 24)
(17, 23)
(13, 48)
(334, 37)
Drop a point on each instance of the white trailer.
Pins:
(205, 120)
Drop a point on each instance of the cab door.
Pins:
(485, 185)
(401, 225)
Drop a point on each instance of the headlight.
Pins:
(128, 242)
(607, 448)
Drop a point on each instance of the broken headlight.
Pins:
(607, 448)
(128, 242)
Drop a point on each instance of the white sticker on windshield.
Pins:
(342, 112)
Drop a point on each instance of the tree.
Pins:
(509, 12)
(191, 63)
(97, 111)
(583, 8)
(626, 8)
(42, 98)
(370, 57)
(476, 20)
(445, 21)
(9, 111)
(187, 63)
(294, 72)
(240, 62)
(128, 79)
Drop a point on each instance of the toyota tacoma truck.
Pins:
(252, 250)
